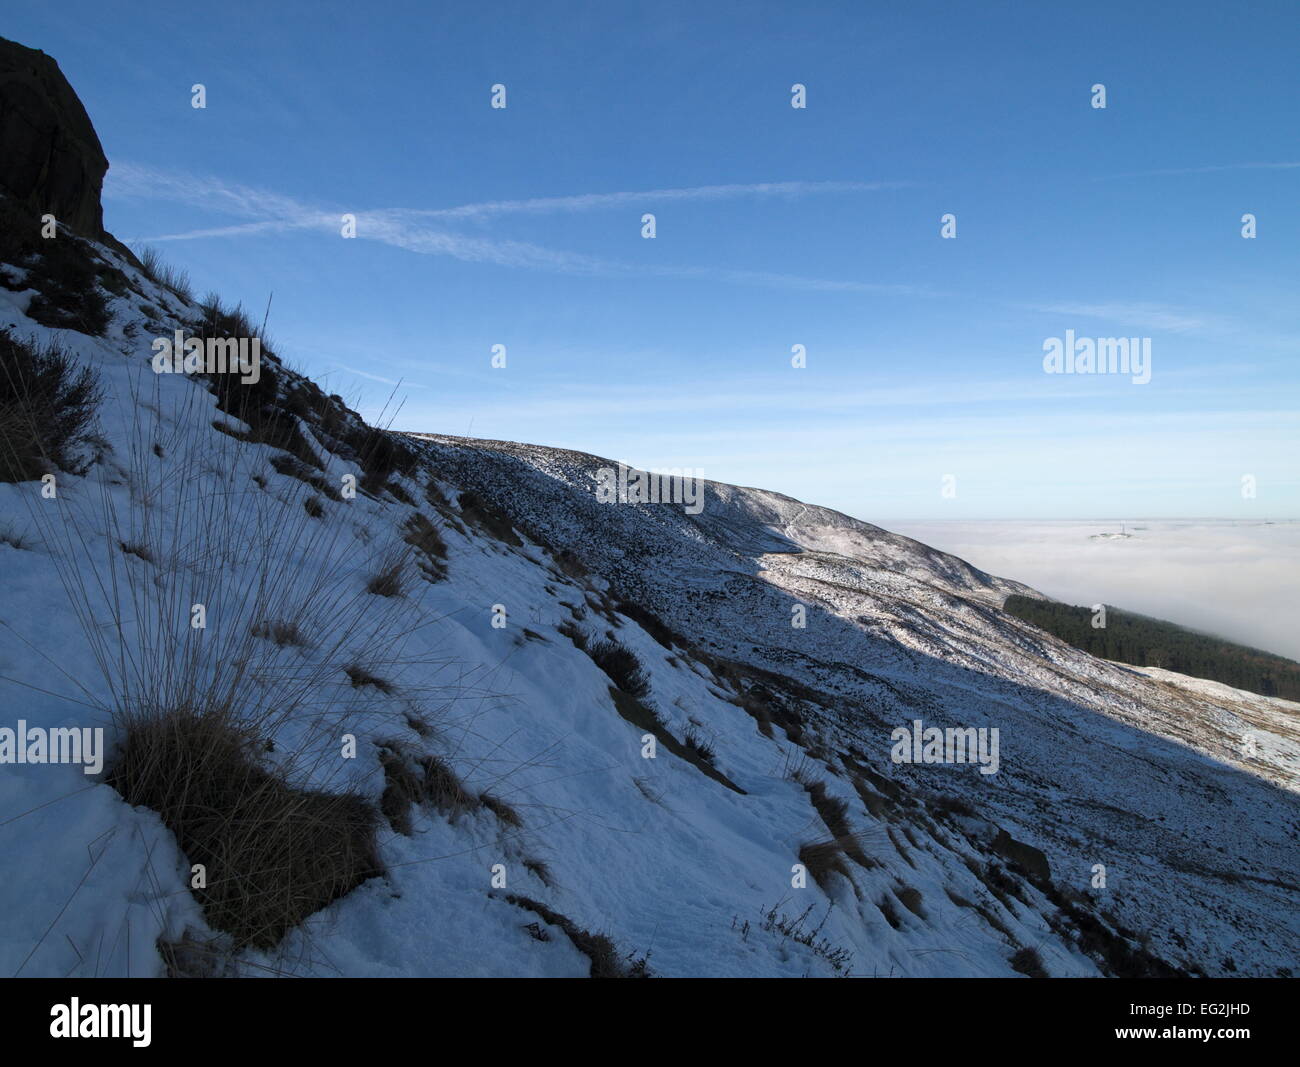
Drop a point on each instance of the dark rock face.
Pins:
(50, 157)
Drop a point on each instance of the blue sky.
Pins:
(775, 226)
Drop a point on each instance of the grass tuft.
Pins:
(622, 666)
(1028, 962)
(47, 407)
(822, 859)
(280, 632)
(390, 579)
(272, 854)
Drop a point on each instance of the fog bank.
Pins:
(1237, 579)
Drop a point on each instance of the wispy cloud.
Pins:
(401, 228)
(1171, 171)
(600, 201)
(789, 281)
(403, 383)
(238, 230)
(1134, 313)
(410, 229)
(134, 181)
(417, 230)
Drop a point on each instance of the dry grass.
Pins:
(415, 780)
(443, 789)
(651, 624)
(291, 467)
(431, 550)
(696, 742)
(390, 579)
(911, 899)
(646, 719)
(797, 929)
(479, 513)
(574, 633)
(887, 909)
(197, 712)
(282, 632)
(47, 407)
(360, 678)
(540, 870)
(403, 789)
(140, 551)
(274, 854)
(1028, 962)
(192, 956)
(622, 666)
(822, 859)
(606, 960)
(158, 270)
(834, 813)
(504, 812)
(68, 275)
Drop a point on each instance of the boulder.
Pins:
(50, 157)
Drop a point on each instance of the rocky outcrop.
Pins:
(50, 157)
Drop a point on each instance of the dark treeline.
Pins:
(1146, 642)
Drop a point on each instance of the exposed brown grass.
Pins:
(360, 677)
(282, 632)
(622, 666)
(1028, 962)
(135, 548)
(504, 812)
(911, 899)
(834, 813)
(540, 870)
(390, 579)
(403, 789)
(822, 859)
(444, 790)
(479, 513)
(606, 960)
(158, 270)
(273, 854)
(430, 548)
(47, 406)
(698, 744)
(646, 719)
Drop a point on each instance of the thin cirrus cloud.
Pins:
(410, 229)
(1214, 169)
(395, 382)
(599, 201)
(414, 231)
(1145, 315)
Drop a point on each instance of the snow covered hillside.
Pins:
(285, 694)
(451, 619)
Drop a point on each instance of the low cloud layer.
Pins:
(1240, 580)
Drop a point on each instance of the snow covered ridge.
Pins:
(531, 732)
